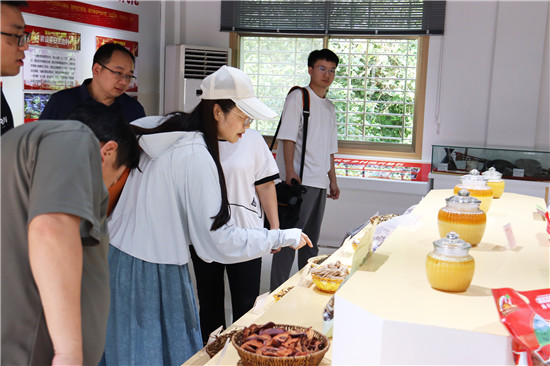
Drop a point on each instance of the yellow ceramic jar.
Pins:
(494, 180)
(478, 188)
(449, 267)
(462, 215)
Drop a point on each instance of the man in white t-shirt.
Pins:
(321, 145)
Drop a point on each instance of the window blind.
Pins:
(349, 17)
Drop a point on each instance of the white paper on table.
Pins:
(384, 229)
(260, 303)
(214, 335)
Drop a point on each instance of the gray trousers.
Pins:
(310, 220)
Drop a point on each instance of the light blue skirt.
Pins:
(153, 317)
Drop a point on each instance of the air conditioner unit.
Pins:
(185, 67)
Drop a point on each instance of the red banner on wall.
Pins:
(54, 38)
(396, 170)
(129, 45)
(84, 13)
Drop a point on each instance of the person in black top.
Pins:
(13, 47)
(112, 73)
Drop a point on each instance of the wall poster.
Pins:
(395, 170)
(34, 105)
(52, 59)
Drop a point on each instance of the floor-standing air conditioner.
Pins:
(186, 66)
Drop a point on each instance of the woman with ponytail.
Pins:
(177, 198)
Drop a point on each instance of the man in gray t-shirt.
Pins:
(55, 281)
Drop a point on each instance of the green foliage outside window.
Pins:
(373, 91)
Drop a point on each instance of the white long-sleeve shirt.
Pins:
(171, 203)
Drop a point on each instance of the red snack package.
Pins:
(526, 315)
(547, 215)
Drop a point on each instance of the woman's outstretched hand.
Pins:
(304, 240)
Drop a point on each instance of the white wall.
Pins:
(147, 62)
(198, 23)
(493, 89)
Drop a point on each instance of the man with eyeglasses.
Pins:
(13, 47)
(319, 174)
(112, 73)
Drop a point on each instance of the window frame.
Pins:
(412, 151)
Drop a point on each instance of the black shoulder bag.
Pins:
(289, 197)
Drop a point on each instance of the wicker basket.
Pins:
(216, 346)
(252, 359)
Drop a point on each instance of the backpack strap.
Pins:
(305, 113)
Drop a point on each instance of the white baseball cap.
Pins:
(231, 83)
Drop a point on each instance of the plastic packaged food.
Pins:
(449, 267)
(462, 215)
(526, 315)
(476, 184)
(495, 181)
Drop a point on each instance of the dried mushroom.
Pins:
(269, 340)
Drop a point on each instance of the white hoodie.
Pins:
(171, 202)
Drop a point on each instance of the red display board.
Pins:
(129, 45)
(395, 170)
(54, 38)
(80, 12)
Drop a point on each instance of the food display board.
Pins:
(382, 169)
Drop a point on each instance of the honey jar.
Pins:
(476, 184)
(494, 180)
(462, 215)
(449, 267)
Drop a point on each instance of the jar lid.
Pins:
(492, 174)
(463, 196)
(452, 245)
(474, 179)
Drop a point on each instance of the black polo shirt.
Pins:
(62, 103)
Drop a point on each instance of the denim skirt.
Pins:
(153, 318)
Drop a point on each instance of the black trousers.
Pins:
(310, 220)
(244, 285)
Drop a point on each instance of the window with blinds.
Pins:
(379, 86)
(351, 17)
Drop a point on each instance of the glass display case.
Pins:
(513, 164)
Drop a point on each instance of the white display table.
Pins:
(391, 315)
(387, 313)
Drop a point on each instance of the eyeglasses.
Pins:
(323, 69)
(119, 75)
(22, 39)
(247, 120)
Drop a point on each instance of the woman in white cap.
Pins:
(250, 172)
(176, 198)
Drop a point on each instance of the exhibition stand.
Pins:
(387, 313)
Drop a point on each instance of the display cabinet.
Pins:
(513, 164)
